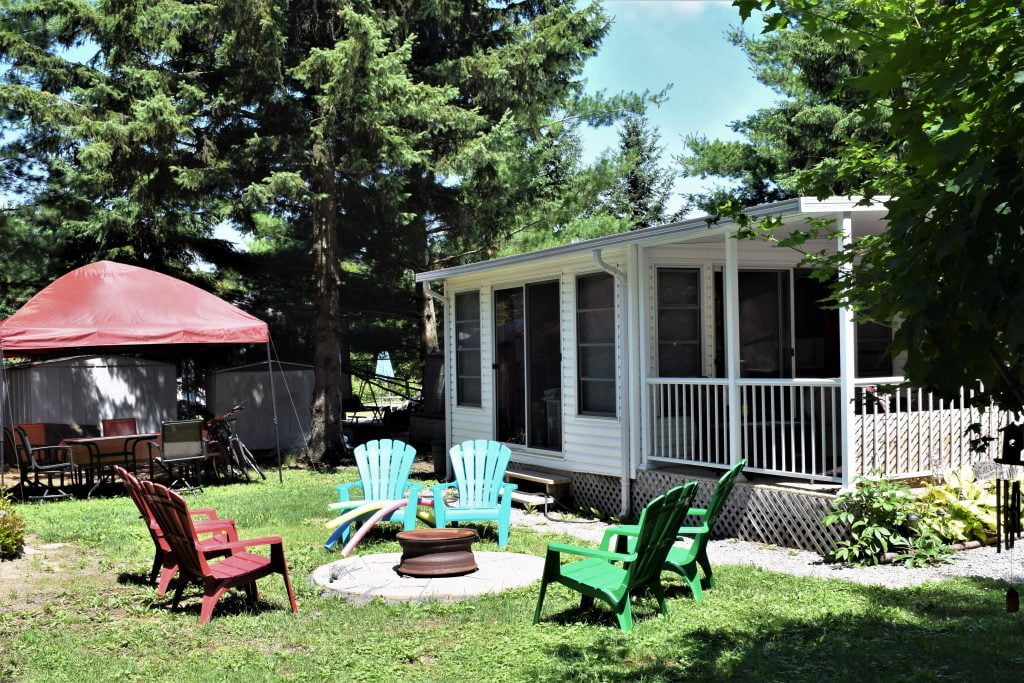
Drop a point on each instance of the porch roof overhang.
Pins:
(692, 228)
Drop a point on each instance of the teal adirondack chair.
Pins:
(685, 561)
(384, 468)
(600, 577)
(484, 495)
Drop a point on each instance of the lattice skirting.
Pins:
(754, 512)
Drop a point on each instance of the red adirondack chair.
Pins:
(240, 568)
(164, 561)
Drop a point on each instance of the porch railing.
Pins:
(788, 427)
(792, 427)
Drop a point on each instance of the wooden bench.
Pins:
(554, 485)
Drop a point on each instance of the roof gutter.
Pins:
(624, 480)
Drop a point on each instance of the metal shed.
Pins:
(86, 389)
(293, 394)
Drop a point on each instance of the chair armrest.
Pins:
(623, 530)
(439, 489)
(507, 488)
(214, 525)
(209, 513)
(412, 490)
(239, 545)
(150, 445)
(345, 490)
(591, 552)
(697, 512)
(690, 530)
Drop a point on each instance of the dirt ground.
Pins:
(38, 578)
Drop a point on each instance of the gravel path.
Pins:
(982, 562)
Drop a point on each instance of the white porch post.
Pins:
(847, 364)
(730, 279)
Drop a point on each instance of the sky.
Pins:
(656, 43)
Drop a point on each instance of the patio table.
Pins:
(98, 455)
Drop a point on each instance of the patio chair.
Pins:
(685, 560)
(239, 568)
(37, 464)
(479, 468)
(164, 561)
(119, 426)
(181, 454)
(384, 467)
(600, 577)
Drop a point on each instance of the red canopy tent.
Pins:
(107, 304)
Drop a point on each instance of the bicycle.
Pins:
(222, 436)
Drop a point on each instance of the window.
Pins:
(467, 349)
(873, 359)
(679, 328)
(595, 340)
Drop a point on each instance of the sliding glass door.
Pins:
(528, 371)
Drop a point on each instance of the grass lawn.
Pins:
(90, 617)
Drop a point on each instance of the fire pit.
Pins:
(436, 552)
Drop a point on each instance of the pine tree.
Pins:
(642, 193)
(385, 133)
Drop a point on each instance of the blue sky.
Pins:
(654, 43)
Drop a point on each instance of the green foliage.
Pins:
(883, 517)
(876, 512)
(960, 508)
(642, 191)
(943, 80)
(806, 127)
(12, 529)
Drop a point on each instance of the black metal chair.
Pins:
(182, 453)
(39, 464)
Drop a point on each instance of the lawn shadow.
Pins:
(134, 579)
(234, 602)
(920, 633)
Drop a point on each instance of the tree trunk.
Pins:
(428, 322)
(325, 438)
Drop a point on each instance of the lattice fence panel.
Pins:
(596, 491)
(765, 514)
(920, 441)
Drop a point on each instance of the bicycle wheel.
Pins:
(246, 458)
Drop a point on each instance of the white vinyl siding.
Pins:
(589, 444)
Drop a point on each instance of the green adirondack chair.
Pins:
(384, 468)
(599, 576)
(484, 495)
(685, 561)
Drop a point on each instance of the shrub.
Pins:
(12, 530)
(960, 508)
(883, 517)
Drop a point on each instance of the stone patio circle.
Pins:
(364, 577)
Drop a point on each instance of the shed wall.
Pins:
(88, 389)
(293, 385)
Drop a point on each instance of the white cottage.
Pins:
(617, 361)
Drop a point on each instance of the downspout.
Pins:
(624, 480)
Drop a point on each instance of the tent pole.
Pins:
(3, 408)
(273, 402)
